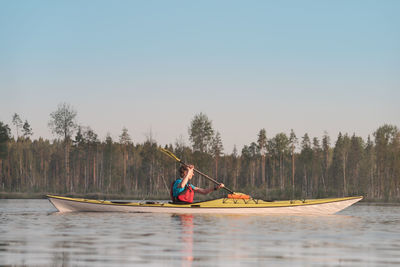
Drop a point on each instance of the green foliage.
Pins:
(63, 121)
(125, 138)
(262, 141)
(217, 147)
(293, 140)
(79, 137)
(201, 133)
(4, 138)
(27, 130)
(16, 120)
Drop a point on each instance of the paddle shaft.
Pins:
(207, 177)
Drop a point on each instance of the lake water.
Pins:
(32, 233)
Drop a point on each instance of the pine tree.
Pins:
(217, 150)
(125, 140)
(16, 120)
(293, 142)
(262, 146)
(201, 133)
(280, 143)
(318, 181)
(79, 137)
(339, 163)
(326, 158)
(4, 139)
(27, 130)
(385, 143)
(306, 161)
(5, 136)
(355, 159)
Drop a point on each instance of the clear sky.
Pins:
(313, 66)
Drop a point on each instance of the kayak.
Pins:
(324, 206)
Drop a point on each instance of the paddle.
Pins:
(172, 155)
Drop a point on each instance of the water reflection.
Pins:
(361, 235)
(186, 223)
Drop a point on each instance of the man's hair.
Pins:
(183, 171)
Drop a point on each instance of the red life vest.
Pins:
(185, 196)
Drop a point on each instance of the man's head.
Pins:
(183, 171)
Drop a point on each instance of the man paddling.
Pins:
(182, 191)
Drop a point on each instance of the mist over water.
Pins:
(32, 233)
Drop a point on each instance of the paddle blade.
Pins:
(238, 196)
(170, 154)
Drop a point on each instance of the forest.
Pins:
(283, 166)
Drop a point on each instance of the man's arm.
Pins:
(208, 190)
(203, 191)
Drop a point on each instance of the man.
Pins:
(182, 191)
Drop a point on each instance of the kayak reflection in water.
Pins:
(182, 191)
(186, 221)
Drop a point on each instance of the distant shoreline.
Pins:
(18, 195)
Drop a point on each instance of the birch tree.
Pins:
(63, 124)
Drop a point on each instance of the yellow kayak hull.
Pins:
(324, 206)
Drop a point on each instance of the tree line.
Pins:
(276, 167)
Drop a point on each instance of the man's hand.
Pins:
(190, 171)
